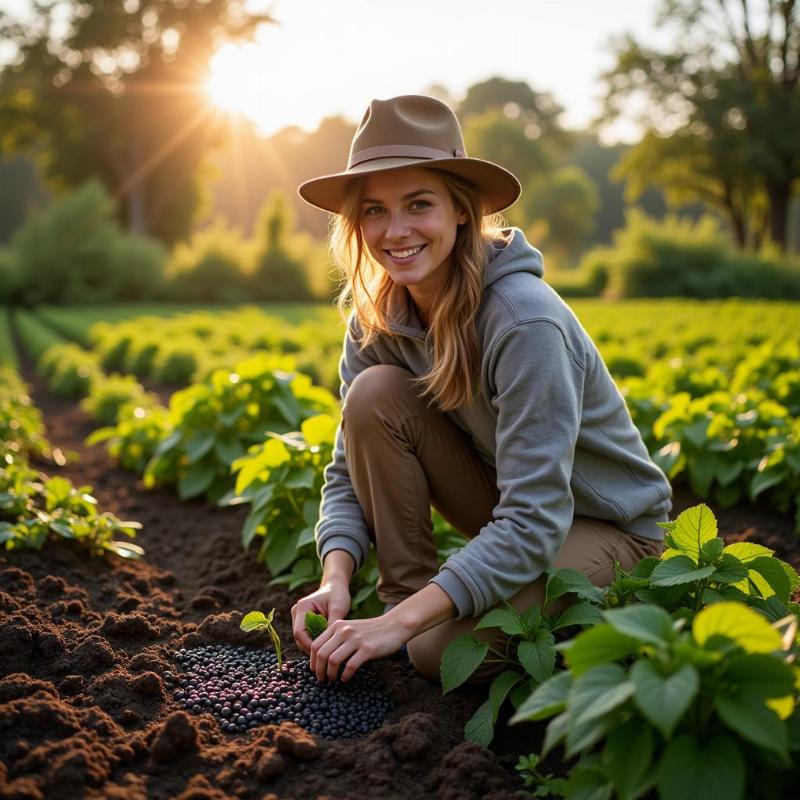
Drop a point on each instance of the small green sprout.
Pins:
(256, 621)
(315, 624)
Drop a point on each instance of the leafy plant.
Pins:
(697, 569)
(258, 621)
(109, 393)
(315, 624)
(648, 702)
(21, 427)
(530, 652)
(34, 509)
(543, 785)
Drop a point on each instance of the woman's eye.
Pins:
(421, 203)
(368, 212)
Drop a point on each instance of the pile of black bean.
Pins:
(244, 688)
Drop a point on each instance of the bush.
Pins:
(678, 258)
(75, 252)
(278, 276)
(9, 276)
(213, 266)
(109, 393)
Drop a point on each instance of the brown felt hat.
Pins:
(412, 130)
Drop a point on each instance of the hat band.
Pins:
(401, 151)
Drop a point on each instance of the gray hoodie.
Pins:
(548, 418)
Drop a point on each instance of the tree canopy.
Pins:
(723, 111)
(115, 90)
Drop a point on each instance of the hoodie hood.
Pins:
(516, 256)
(504, 258)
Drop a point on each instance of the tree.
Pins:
(115, 90)
(729, 92)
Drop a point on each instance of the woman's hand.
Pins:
(355, 641)
(332, 599)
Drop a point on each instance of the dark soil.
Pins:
(86, 650)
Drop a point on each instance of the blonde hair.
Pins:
(367, 287)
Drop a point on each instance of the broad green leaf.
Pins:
(506, 619)
(319, 429)
(306, 537)
(760, 674)
(250, 528)
(564, 581)
(646, 623)
(196, 480)
(228, 450)
(692, 528)
(712, 549)
(677, 571)
(738, 623)
(772, 571)
(597, 645)
(663, 700)
(627, 756)
(747, 551)
(578, 614)
(253, 621)
(587, 784)
(711, 770)
(480, 727)
(198, 445)
(555, 733)
(280, 550)
(749, 716)
(460, 659)
(531, 619)
(762, 481)
(301, 479)
(538, 658)
(597, 692)
(729, 570)
(548, 699)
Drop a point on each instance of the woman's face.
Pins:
(409, 221)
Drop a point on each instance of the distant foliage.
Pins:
(75, 252)
(676, 258)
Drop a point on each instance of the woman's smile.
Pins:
(405, 255)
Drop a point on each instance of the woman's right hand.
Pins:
(332, 599)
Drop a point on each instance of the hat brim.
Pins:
(497, 187)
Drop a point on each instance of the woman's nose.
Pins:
(397, 227)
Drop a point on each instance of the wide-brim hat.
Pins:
(412, 131)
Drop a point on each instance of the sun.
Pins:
(235, 79)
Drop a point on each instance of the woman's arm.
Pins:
(357, 641)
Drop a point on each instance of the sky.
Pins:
(331, 57)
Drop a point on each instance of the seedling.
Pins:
(315, 624)
(257, 621)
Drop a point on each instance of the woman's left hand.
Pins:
(355, 641)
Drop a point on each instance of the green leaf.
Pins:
(695, 432)
(250, 528)
(196, 480)
(587, 784)
(678, 570)
(747, 551)
(531, 619)
(712, 549)
(460, 659)
(506, 619)
(597, 692)
(538, 658)
(713, 770)
(772, 571)
(646, 623)
(728, 569)
(749, 716)
(597, 646)
(315, 624)
(627, 756)
(692, 528)
(663, 700)
(228, 450)
(254, 621)
(548, 699)
(198, 445)
(762, 481)
(480, 727)
(578, 614)
(737, 623)
(564, 581)
(301, 479)
(760, 674)
(555, 732)
(280, 549)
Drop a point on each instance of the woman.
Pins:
(467, 384)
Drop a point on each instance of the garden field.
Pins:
(160, 470)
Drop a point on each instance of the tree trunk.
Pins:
(779, 195)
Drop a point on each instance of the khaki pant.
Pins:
(404, 457)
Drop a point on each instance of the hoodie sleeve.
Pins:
(341, 524)
(537, 394)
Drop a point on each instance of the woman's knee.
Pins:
(373, 389)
